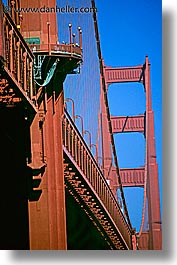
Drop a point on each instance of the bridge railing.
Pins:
(56, 48)
(76, 146)
(18, 56)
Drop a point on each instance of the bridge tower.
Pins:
(33, 68)
(47, 218)
(147, 176)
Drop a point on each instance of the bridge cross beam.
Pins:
(143, 123)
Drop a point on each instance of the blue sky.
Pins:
(130, 30)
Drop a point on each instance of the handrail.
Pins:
(78, 149)
(86, 147)
(18, 34)
(18, 57)
(56, 48)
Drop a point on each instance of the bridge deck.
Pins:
(84, 178)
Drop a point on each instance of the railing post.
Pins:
(18, 61)
(69, 137)
(65, 130)
(72, 142)
(24, 72)
(82, 157)
(31, 79)
(11, 50)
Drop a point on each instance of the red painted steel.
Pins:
(134, 242)
(39, 24)
(155, 238)
(123, 74)
(106, 149)
(128, 124)
(141, 123)
(16, 16)
(143, 241)
(91, 175)
(22, 58)
(132, 177)
(47, 216)
(55, 49)
(109, 140)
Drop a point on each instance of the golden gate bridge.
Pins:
(62, 184)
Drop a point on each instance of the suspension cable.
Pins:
(108, 112)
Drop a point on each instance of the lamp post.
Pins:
(74, 39)
(80, 37)
(82, 124)
(48, 35)
(70, 33)
(73, 107)
(90, 139)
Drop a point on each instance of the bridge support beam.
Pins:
(155, 233)
(144, 124)
(124, 124)
(47, 216)
(131, 177)
(106, 148)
